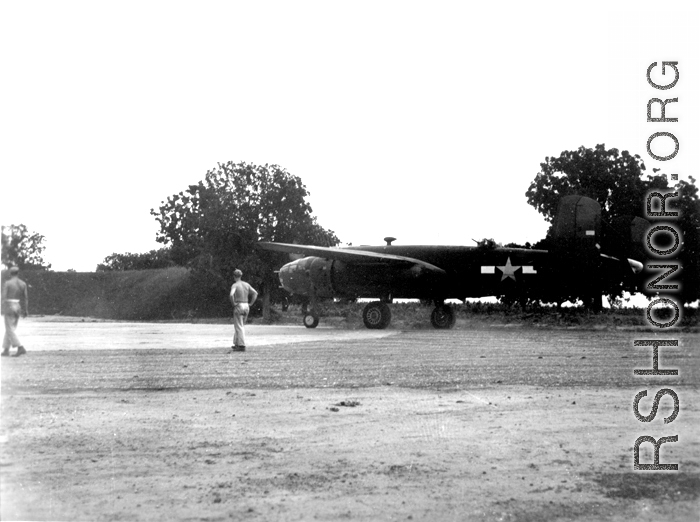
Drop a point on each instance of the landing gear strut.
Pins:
(376, 315)
(443, 317)
(311, 318)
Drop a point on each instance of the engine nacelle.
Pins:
(308, 276)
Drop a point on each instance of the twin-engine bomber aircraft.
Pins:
(575, 265)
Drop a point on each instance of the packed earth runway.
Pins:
(142, 421)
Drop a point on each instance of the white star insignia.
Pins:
(508, 270)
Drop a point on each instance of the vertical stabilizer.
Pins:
(576, 248)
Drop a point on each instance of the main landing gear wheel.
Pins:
(310, 320)
(376, 315)
(443, 317)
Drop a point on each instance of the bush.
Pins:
(170, 293)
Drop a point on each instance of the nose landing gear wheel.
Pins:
(376, 315)
(443, 317)
(311, 320)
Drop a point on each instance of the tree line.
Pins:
(212, 226)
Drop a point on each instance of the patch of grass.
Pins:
(654, 486)
(415, 315)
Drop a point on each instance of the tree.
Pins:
(614, 179)
(150, 260)
(689, 223)
(213, 226)
(611, 178)
(22, 248)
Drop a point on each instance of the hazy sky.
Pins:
(422, 120)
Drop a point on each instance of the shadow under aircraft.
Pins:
(587, 258)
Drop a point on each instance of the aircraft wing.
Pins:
(349, 256)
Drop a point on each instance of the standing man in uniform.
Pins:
(15, 302)
(242, 298)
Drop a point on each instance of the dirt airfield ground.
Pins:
(136, 421)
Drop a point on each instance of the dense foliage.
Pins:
(160, 258)
(22, 248)
(213, 226)
(615, 180)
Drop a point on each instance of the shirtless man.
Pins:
(15, 302)
(242, 298)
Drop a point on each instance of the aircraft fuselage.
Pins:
(469, 272)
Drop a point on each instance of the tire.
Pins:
(376, 315)
(443, 317)
(311, 320)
